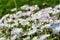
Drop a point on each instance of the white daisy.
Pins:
(34, 7)
(14, 9)
(35, 38)
(25, 7)
(15, 31)
(43, 36)
(14, 37)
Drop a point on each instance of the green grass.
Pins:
(6, 5)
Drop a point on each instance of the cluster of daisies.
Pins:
(34, 24)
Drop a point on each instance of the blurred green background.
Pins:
(7, 5)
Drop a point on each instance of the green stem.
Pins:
(15, 5)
